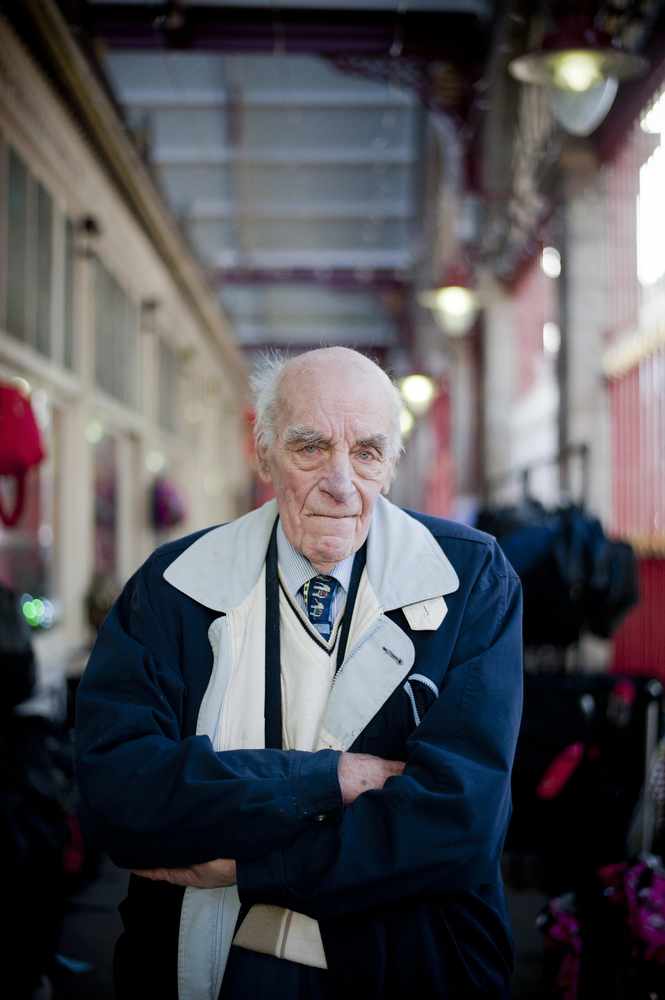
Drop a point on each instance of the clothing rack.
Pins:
(587, 823)
(562, 458)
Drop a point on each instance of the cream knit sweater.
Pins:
(308, 672)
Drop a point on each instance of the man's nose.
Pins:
(338, 481)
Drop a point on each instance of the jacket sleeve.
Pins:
(439, 826)
(152, 798)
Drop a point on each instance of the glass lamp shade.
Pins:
(581, 113)
(454, 302)
(418, 391)
(455, 308)
(576, 58)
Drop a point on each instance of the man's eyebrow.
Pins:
(377, 441)
(299, 434)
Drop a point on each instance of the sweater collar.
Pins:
(405, 564)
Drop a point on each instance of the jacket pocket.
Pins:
(421, 693)
(390, 729)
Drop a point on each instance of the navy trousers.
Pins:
(252, 976)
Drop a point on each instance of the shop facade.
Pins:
(108, 329)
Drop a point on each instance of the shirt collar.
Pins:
(405, 563)
(296, 569)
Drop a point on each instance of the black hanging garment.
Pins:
(574, 578)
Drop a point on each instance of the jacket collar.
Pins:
(404, 562)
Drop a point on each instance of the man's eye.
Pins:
(366, 455)
(310, 449)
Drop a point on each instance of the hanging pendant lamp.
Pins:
(576, 57)
(454, 302)
(580, 67)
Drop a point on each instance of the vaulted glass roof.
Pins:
(297, 178)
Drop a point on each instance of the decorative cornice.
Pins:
(632, 350)
(648, 546)
(107, 132)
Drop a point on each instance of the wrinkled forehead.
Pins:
(296, 435)
(353, 407)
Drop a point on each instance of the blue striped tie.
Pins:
(319, 594)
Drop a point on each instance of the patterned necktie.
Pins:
(319, 594)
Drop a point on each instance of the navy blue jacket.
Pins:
(406, 882)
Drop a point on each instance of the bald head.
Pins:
(336, 358)
(277, 380)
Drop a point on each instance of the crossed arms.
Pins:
(357, 773)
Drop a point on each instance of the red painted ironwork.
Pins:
(639, 644)
(439, 491)
(622, 177)
(637, 406)
(457, 36)
(535, 303)
(633, 97)
(636, 390)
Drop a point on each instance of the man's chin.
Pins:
(331, 548)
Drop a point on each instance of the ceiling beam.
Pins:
(399, 101)
(340, 332)
(202, 156)
(379, 352)
(313, 260)
(340, 278)
(372, 211)
(445, 35)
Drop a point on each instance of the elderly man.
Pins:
(297, 729)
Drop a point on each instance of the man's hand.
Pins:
(358, 772)
(210, 875)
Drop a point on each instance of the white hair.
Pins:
(265, 382)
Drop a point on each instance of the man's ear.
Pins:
(263, 464)
(385, 489)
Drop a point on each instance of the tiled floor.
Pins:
(91, 927)
(524, 908)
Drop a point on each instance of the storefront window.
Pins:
(116, 339)
(44, 259)
(106, 505)
(27, 562)
(38, 258)
(68, 318)
(168, 386)
(17, 239)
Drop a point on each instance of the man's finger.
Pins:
(178, 876)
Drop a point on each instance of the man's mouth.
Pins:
(333, 517)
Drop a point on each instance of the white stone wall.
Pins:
(498, 381)
(520, 428)
(588, 322)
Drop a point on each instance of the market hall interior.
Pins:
(470, 192)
